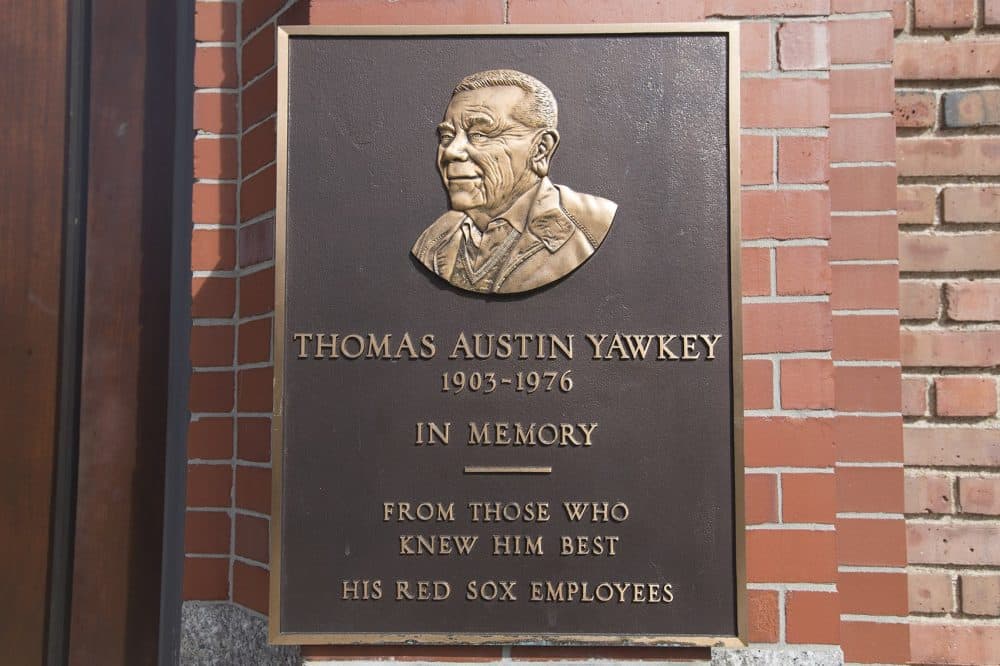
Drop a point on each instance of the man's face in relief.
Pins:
(484, 152)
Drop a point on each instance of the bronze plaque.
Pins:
(507, 390)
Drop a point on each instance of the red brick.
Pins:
(859, 6)
(786, 327)
(972, 543)
(764, 621)
(755, 46)
(951, 156)
(253, 436)
(808, 498)
(972, 108)
(213, 203)
(864, 237)
(756, 159)
(866, 338)
(210, 439)
(767, 7)
(756, 269)
(258, 54)
(215, 158)
(968, 349)
(255, 390)
(253, 489)
(953, 447)
(788, 442)
(257, 293)
(813, 617)
(870, 489)
(950, 252)
(206, 579)
(943, 13)
(761, 492)
(259, 147)
(214, 22)
(764, 103)
(862, 139)
(861, 41)
(972, 204)
(864, 593)
(861, 90)
(803, 270)
(868, 438)
(250, 586)
(871, 542)
(915, 108)
(213, 297)
(211, 346)
(922, 59)
(211, 392)
(919, 299)
(790, 556)
(257, 243)
(785, 214)
(803, 159)
(215, 67)
(980, 594)
(991, 16)
(215, 112)
(209, 485)
(593, 11)
(252, 538)
(206, 532)
(980, 495)
(954, 644)
(863, 188)
(929, 492)
(807, 384)
(914, 396)
(868, 389)
(260, 99)
(875, 642)
(965, 396)
(930, 592)
(865, 286)
(213, 250)
(455, 653)
(255, 341)
(258, 12)
(444, 12)
(803, 45)
(258, 194)
(758, 384)
(916, 203)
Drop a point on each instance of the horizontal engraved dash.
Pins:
(503, 469)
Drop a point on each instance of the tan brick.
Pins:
(951, 446)
(928, 492)
(951, 156)
(972, 108)
(914, 395)
(915, 109)
(930, 592)
(954, 644)
(962, 395)
(803, 45)
(919, 299)
(980, 594)
(915, 204)
(972, 204)
(948, 14)
(980, 495)
(971, 543)
(949, 252)
(973, 301)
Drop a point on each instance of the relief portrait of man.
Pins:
(510, 229)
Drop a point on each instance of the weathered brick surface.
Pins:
(972, 108)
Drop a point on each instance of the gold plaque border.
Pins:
(275, 636)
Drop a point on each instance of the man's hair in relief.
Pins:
(538, 111)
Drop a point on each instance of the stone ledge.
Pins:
(223, 634)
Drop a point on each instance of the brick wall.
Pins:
(947, 116)
(826, 541)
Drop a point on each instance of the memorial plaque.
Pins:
(507, 347)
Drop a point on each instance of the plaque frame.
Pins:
(729, 29)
